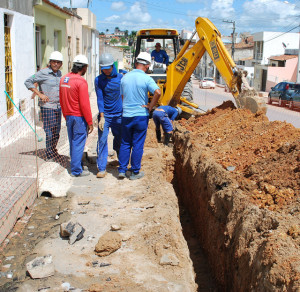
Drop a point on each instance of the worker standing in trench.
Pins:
(135, 86)
(76, 108)
(109, 101)
(48, 80)
(163, 116)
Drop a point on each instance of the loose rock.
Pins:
(115, 227)
(40, 267)
(108, 243)
(73, 230)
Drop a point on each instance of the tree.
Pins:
(123, 40)
(101, 33)
(107, 30)
(113, 42)
(126, 33)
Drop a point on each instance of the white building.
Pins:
(267, 44)
(17, 47)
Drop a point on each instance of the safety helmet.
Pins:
(106, 60)
(57, 56)
(179, 110)
(144, 58)
(81, 60)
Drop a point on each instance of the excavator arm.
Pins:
(181, 69)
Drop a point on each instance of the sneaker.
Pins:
(84, 173)
(136, 176)
(121, 175)
(101, 174)
(84, 167)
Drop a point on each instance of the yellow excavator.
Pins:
(173, 79)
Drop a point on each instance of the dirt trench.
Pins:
(238, 175)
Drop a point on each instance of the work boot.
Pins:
(136, 175)
(84, 173)
(158, 135)
(121, 175)
(101, 174)
(167, 138)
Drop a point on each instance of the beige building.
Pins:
(74, 37)
(50, 32)
(90, 44)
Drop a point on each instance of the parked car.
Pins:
(207, 82)
(282, 92)
(294, 101)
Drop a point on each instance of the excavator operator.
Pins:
(159, 55)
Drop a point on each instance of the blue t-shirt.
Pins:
(109, 98)
(134, 88)
(170, 111)
(161, 56)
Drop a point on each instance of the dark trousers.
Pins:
(134, 131)
(52, 125)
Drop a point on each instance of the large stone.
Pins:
(40, 267)
(108, 243)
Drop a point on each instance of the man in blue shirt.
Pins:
(164, 115)
(135, 86)
(109, 100)
(159, 55)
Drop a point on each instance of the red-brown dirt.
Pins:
(239, 175)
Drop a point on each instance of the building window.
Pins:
(8, 65)
(77, 46)
(258, 50)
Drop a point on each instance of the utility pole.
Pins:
(298, 67)
(233, 36)
(71, 4)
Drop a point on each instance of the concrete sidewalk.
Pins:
(24, 171)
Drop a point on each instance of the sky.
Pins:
(249, 15)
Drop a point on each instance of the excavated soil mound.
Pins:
(239, 176)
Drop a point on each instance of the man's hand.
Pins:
(43, 97)
(90, 128)
(101, 123)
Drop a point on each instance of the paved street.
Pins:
(210, 98)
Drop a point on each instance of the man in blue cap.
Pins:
(109, 100)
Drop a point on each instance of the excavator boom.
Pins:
(181, 69)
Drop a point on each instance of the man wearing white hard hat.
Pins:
(48, 81)
(76, 108)
(135, 86)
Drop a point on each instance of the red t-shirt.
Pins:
(74, 97)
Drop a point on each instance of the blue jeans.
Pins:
(102, 147)
(162, 118)
(52, 125)
(134, 132)
(77, 133)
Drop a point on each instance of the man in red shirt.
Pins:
(76, 108)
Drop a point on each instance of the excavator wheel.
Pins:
(188, 91)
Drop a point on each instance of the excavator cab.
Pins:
(169, 41)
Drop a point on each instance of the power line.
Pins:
(282, 34)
